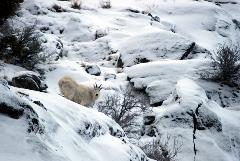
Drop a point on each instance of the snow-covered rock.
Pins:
(153, 32)
(159, 78)
(28, 80)
(93, 70)
(197, 121)
(9, 104)
(156, 46)
(192, 100)
(100, 33)
(110, 76)
(14, 107)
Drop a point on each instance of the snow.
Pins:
(7, 98)
(8, 71)
(159, 77)
(211, 145)
(62, 139)
(153, 46)
(71, 131)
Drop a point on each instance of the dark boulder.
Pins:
(148, 120)
(110, 76)
(93, 70)
(13, 106)
(9, 104)
(28, 80)
(11, 111)
(120, 63)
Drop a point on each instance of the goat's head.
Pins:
(97, 90)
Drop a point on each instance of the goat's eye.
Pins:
(96, 94)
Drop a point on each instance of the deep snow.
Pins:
(151, 54)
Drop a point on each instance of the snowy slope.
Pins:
(162, 55)
(65, 131)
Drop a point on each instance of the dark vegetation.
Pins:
(20, 46)
(126, 110)
(163, 149)
(225, 65)
(76, 4)
(8, 8)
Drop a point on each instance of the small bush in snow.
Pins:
(163, 149)
(76, 4)
(8, 8)
(141, 60)
(226, 65)
(125, 110)
(106, 4)
(20, 46)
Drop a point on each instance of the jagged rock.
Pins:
(133, 10)
(40, 104)
(188, 51)
(120, 63)
(193, 103)
(28, 80)
(93, 70)
(156, 46)
(151, 131)
(13, 112)
(110, 76)
(13, 106)
(100, 33)
(155, 18)
(208, 120)
(9, 104)
(237, 23)
(90, 131)
(148, 120)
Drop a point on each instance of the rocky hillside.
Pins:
(157, 48)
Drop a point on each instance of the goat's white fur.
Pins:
(78, 93)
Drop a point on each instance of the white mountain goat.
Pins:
(79, 93)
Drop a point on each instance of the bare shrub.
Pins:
(141, 60)
(226, 66)
(106, 4)
(20, 46)
(76, 4)
(163, 149)
(126, 110)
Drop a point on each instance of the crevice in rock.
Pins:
(153, 18)
(157, 104)
(195, 125)
(188, 51)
